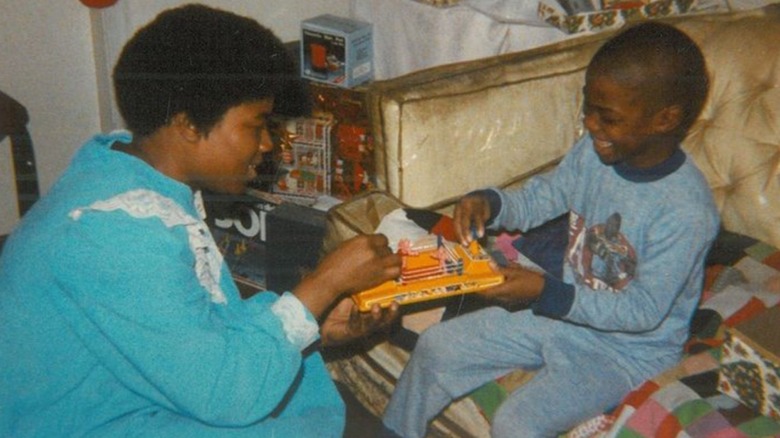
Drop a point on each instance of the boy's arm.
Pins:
(543, 197)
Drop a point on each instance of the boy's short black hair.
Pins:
(663, 62)
(202, 61)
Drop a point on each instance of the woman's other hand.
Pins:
(346, 323)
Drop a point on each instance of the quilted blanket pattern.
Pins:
(685, 400)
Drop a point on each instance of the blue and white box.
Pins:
(337, 50)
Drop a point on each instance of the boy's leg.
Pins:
(457, 356)
(578, 381)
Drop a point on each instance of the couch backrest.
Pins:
(736, 141)
(447, 130)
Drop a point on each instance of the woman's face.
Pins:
(230, 151)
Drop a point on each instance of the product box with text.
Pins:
(337, 50)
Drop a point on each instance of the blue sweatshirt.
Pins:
(119, 317)
(638, 238)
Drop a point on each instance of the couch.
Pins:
(444, 131)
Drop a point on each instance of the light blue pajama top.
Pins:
(638, 238)
(119, 317)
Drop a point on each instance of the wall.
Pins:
(47, 66)
(57, 57)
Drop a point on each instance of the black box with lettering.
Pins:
(239, 226)
(294, 237)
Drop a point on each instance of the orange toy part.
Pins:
(433, 268)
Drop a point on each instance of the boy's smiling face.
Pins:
(624, 126)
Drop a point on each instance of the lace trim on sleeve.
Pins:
(300, 330)
(144, 204)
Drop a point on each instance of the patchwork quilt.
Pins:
(685, 400)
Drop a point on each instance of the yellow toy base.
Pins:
(433, 268)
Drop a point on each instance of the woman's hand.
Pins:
(469, 217)
(520, 285)
(346, 323)
(357, 264)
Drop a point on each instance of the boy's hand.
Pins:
(471, 213)
(521, 285)
(346, 323)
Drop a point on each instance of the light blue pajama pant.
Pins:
(578, 374)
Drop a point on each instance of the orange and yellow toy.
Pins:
(433, 268)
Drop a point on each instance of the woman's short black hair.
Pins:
(202, 61)
(663, 61)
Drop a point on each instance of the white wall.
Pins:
(47, 65)
(56, 59)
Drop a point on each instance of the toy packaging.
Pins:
(328, 153)
(353, 144)
(337, 50)
(238, 224)
(295, 234)
(750, 363)
(304, 168)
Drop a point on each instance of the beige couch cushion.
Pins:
(447, 130)
(736, 142)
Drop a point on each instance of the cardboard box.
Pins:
(750, 363)
(337, 50)
(294, 244)
(305, 162)
(352, 142)
(238, 224)
(354, 166)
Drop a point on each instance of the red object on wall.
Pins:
(98, 3)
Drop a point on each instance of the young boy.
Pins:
(641, 218)
(119, 316)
